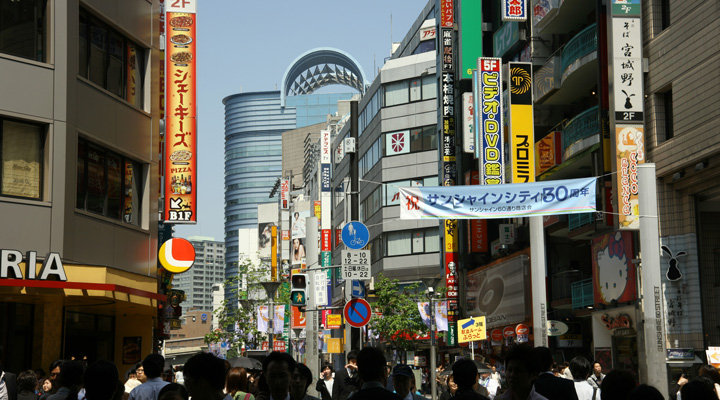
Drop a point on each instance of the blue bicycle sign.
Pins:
(355, 235)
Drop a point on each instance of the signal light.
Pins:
(298, 290)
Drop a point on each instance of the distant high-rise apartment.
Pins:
(208, 270)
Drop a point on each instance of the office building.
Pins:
(79, 131)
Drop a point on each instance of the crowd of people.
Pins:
(529, 374)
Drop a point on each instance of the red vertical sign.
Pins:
(181, 113)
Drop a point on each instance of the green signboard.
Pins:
(507, 37)
(452, 335)
(470, 27)
(626, 8)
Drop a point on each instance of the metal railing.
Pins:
(580, 45)
(576, 221)
(583, 125)
(582, 293)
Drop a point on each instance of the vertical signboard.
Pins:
(468, 119)
(448, 169)
(325, 211)
(489, 132)
(514, 10)
(522, 139)
(181, 118)
(626, 81)
(470, 36)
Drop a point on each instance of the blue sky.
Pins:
(246, 46)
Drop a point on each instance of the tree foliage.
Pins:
(237, 326)
(400, 320)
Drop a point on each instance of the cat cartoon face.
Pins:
(612, 269)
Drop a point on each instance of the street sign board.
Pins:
(279, 346)
(356, 264)
(320, 287)
(333, 321)
(357, 313)
(358, 289)
(471, 329)
(355, 235)
(177, 255)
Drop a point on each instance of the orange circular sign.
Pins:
(177, 255)
(496, 335)
(509, 331)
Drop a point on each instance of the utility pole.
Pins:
(311, 315)
(354, 340)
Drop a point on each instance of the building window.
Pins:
(108, 184)
(417, 241)
(23, 28)
(420, 139)
(22, 147)
(396, 93)
(664, 14)
(416, 89)
(110, 60)
(664, 120)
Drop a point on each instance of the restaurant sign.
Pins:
(52, 268)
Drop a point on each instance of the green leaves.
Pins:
(400, 321)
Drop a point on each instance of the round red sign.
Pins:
(522, 329)
(508, 331)
(496, 335)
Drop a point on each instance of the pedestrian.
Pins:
(495, 375)
(152, 368)
(8, 383)
(702, 388)
(179, 374)
(54, 376)
(596, 377)
(326, 384)
(274, 382)
(69, 381)
(236, 384)
(27, 385)
(712, 373)
(549, 385)
(490, 384)
(40, 373)
(465, 375)
(450, 390)
(347, 378)
(521, 370)
(133, 381)
(46, 386)
(645, 392)
(173, 391)
(300, 380)
(617, 384)
(388, 371)
(370, 365)
(580, 369)
(205, 377)
(565, 371)
(403, 378)
(102, 381)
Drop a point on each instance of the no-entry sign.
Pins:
(357, 313)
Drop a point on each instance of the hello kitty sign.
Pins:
(613, 270)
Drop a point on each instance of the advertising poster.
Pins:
(500, 292)
(489, 135)
(181, 114)
(522, 139)
(629, 152)
(612, 267)
(265, 239)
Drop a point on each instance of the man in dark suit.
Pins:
(465, 375)
(549, 385)
(347, 378)
(371, 369)
(8, 385)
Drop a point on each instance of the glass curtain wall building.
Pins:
(254, 123)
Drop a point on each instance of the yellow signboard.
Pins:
(333, 321)
(334, 345)
(471, 329)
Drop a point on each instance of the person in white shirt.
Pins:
(580, 369)
(490, 384)
(152, 367)
(326, 383)
(495, 375)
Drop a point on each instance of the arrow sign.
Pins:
(357, 313)
(468, 324)
(175, 204)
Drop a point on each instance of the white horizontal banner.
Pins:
(568, 196)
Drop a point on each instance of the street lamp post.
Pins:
(246, 304)
(430, 284)
(270, 289)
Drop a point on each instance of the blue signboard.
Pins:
(358, 289)
(355, 235)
